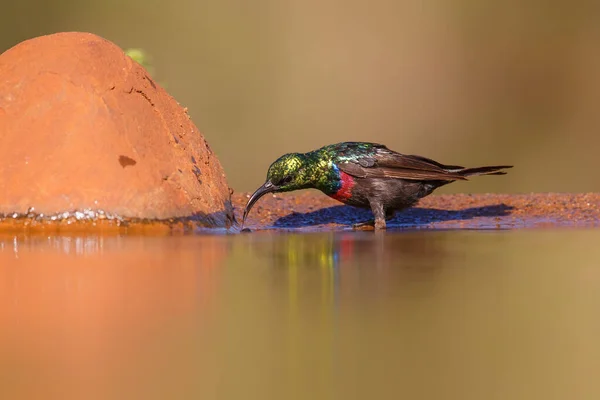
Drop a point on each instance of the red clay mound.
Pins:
(84, 127)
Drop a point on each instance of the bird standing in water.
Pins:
(366, 175)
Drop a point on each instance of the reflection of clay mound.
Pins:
(85, 308)
(84, 127)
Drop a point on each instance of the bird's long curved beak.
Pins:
(268, 187)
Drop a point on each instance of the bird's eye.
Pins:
(285, 180)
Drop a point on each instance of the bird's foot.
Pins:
(377, 224)
(380, 224)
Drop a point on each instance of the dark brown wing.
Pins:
(384, 163)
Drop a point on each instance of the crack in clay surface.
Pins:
(145, 96)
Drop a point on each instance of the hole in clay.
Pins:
(126, 161)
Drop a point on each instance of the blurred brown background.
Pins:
(465, 82)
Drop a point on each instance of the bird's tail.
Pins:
(492, 170)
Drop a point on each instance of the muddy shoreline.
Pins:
(311, 210)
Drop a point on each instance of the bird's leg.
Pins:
(378, 223)
(380, 216)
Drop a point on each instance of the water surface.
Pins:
(419, 315)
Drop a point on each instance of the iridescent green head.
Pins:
(287, 173)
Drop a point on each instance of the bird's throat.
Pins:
(344, 192)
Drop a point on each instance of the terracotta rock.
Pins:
(84, 127)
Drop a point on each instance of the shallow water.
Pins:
(419, 315)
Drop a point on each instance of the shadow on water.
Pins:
(417, 216)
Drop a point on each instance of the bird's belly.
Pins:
(393, 194)
(397, 194)
(356, 200)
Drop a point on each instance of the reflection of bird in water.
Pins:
(339, 262)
